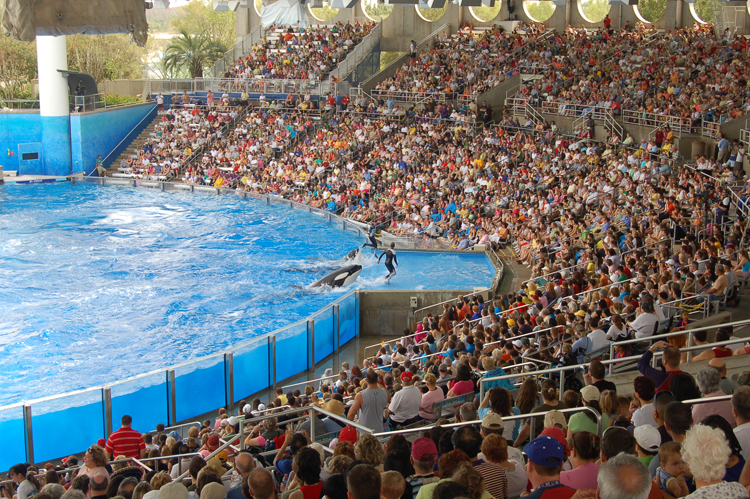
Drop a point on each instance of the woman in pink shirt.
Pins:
(462, 384)
(430, 398)
(584, 451)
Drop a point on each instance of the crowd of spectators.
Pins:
(298, 53)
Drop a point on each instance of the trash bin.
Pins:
(698, 149)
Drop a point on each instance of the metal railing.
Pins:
(240, 49)
(356, 56)
(745, 137)
(478, 292)
(570, 109)
(678, 124)
(262, 86)
(129, 137)
(88, 103)
(18, 104)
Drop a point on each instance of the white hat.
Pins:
(232, 420)
(262, 407)
(247, 409)
(647, 437)
(517, 343)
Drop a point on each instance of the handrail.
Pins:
(396, 340)
(305, 383)
(514, 417)
(212, 454)
(174, 427)
(128, 136)
(561, 369)
(452, 299)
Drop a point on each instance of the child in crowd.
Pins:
(392, 485)
(671, 473)
(648, 440)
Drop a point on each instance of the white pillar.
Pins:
(54, 105)
(53, 86)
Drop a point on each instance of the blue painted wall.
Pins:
(15, 129)
(99, 133)
(56, 148)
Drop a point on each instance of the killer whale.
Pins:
(340, 277)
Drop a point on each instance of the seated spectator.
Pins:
(706, 452)
(469, 440)
(741, 412)
(424, 457)
(546, 457)
(623, 477)
(648, 441)
(432, 396)
(392, 485)
(736, 462)
(584, 452)
(672, 470)
(709, 383)
(405, 404)
(585, 420)
(495, 450)
(551, 402)
(643, 398)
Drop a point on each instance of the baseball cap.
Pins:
(525, 342)
(581, 313)
(213, 491)
(517, 343)
(590, 393)
(262, 407)
(348, 434)
(173, 490)
(545, 450)
(213, 442)
(647, 437)
(555, 419)
(406, 376)
(443, 368)
(424, 449)
(232, 420)
(101, 442)
(247, 409)
(493, 421)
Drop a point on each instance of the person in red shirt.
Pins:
(126, 441)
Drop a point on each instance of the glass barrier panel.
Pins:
(251, 368)
(67, 425)
(324, 337)
(348, 311)
(144, 398)
(12, 429)
(199, 387)
(291, 351)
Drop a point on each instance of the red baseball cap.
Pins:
(213, 442)
(348, 434)
(424, 449)
(559, 435)
(406, 377)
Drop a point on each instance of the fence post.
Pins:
(336, 346)
(311, 339)
(29, 433)
(273, 358)
(229, 377)
(107, 398)
(172, 397)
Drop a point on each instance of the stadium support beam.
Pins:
(54, 107)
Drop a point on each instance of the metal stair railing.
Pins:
(611, 124)
(535, 115)
(240, 49)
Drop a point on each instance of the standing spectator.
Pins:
(546, 458)
(126, 441)
(709, 383)
(370, 403)
(670, 365)
(741, 412)
(623, 477)
(722, 146)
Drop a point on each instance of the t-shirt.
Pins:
(603, 385)
(428, 400)
(721, 490)
(644, 415)
(583, 477)
(552, 490)
(125, 442)
(462, 388)
(495, 481)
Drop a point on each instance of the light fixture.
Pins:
(488, 3)
(470, 3)
(221, 5)
(233, 5)
(435, 4)
(343, 4)
(161, 4)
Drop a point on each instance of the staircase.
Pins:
(131, 149)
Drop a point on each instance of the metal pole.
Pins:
(273, 345)
(107, 398)
(172, 396)
(29, 433)
(311, 357)
(336, 325)
(229, 373)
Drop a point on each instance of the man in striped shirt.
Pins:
(126, 441)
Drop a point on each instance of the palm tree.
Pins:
(192, 52)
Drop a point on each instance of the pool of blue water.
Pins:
(103, 283)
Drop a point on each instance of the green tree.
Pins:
(105, 57)
(432, 15)
(194, 53)
(487, 14)
(199, 17)
(539, 11)
(324, 14)
(594, 10)
(17, 68)
(704, 9)
(376, 10)
(652, 10)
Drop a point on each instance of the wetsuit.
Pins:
(390, 258)
(373, 242)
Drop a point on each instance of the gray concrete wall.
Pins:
(123, 87)
(387, 313)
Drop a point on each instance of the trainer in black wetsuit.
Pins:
(390, 258)
(373, 242)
